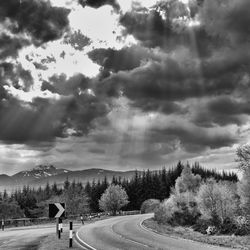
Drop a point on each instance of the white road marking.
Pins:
(84, 243)
(123, 237)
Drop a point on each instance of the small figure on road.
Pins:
(82, 219)
(2, 224)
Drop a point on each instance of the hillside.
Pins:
(41, 175)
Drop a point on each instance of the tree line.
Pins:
(79, 198)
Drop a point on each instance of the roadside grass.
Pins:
(240, 242)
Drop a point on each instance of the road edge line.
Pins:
(156, 232)
(86, 245)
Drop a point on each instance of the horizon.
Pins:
(123, 84)
(236, 170)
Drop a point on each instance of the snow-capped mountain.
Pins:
(41, 171)
(41, 175)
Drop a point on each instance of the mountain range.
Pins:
(41, 175)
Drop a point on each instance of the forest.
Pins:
(158, 184)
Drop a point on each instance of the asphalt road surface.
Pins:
(24, 238)
(127, 233)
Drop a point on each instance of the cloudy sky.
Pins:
(123, 84)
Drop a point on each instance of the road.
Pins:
(127, 233)
(24, 238)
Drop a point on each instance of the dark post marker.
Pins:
(61, 226)
(59, 233)
(70, 233)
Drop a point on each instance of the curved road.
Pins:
(126, 233)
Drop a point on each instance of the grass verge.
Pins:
(240, 242)
(52, 242)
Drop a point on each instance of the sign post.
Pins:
(70, 234)
(57, 210)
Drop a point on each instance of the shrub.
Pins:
(242, 225)
(161, 214)
(149, 206)
(201, 225)
(227, 226)
(179, 209)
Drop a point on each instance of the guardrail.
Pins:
(43, 220)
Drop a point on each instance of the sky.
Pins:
(123, 84)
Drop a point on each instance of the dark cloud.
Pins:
(125, 59)
(166, 25)
(222, 111)
(83, 110)
(40, 66)
(48, 59)
(61, 85)
(77, 40)
(16, 76)
(10, 46)
(147, 27)
(228, 105)
(161, 106)
(227, 19)
(38, 18)
(100, 3)
(173, 79)
(22, 123)
(193, 138)
(44, 120)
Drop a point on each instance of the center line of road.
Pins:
(125, 238)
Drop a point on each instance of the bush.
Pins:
(161, 214)
(149, 206)
(179, 209)
(228, 227)
(201, 225)
(242, 225)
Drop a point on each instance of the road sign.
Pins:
(57, 210)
